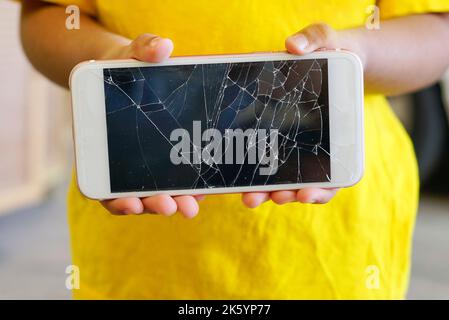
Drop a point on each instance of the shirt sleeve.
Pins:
(397, 8)
(87, 6)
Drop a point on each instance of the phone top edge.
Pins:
(208, 59)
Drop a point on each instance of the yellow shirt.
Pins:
(357, 246)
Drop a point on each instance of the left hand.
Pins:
(312, 38)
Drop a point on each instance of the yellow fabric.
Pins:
(87, 6)
(292, 251)
(395, 8)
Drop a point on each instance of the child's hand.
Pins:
(314, 37)
(321, 37)
(149, 48)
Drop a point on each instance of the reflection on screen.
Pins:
(217, 125)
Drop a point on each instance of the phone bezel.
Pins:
(345, 117)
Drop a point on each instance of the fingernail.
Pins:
(281, 202)
(155, 42)
(301, 41)
(253, 205)
(200, 198)
(131, 212)
(312, 201)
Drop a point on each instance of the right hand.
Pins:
(149, 48)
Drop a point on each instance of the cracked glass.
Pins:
(146, 105)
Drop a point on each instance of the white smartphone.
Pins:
(218, 124)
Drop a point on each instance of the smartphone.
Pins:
(218, 124)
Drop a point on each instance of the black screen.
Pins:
(161, 122)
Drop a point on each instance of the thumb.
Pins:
(150, 48)
(311, 38)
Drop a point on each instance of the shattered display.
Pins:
(217, 125)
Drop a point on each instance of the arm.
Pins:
(53, 50)
(406, 54)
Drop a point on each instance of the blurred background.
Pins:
(36, 160)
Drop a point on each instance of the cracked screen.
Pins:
(204, 126)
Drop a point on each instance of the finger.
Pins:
(151, 48)
(123, 206)
(283, 197)
(312, 38)
(255, 199)
(199, 197)
(161, 204)
(187, 206)
(315, 195)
